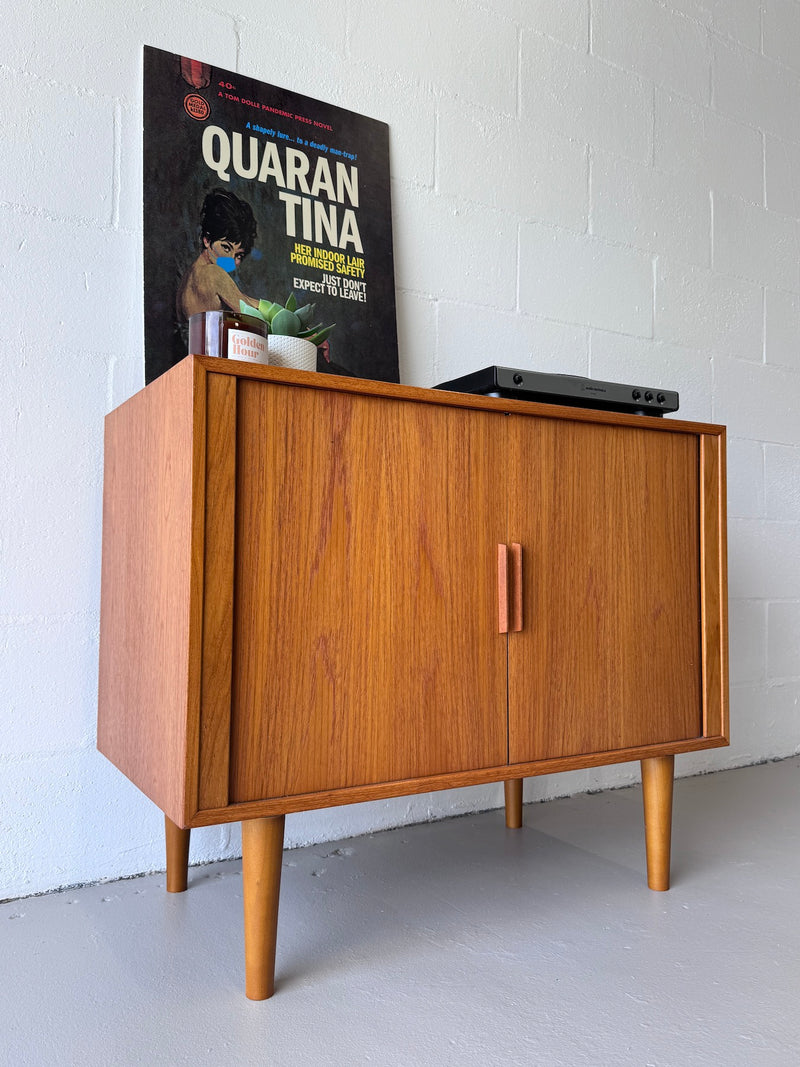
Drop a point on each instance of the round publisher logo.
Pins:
(196, 106)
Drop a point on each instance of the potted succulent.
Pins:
(293, 340)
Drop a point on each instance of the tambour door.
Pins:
(365, 642)
(609, 656)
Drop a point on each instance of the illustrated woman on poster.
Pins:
(227, 233)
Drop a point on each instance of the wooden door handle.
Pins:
(502, 589)
(509, 588)
(516, 586)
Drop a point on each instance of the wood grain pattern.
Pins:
(301, 595)
(365, 643)
(657, 785)
(517, 599)
(713, 562)
(610, 656)
(177, 842)
(446, 471)
(443, 398)
(217, 666)
(196, 533)
(502, 589)
(146, 634)
(262, 853)
(512, 789)
(456, 780)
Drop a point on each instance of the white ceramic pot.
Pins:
(294, 352)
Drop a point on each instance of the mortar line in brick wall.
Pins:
(590, 17)
(116, 175)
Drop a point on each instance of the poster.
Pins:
(255, 192)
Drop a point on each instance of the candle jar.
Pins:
(229, 335)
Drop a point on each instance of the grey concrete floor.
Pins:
(458, 942)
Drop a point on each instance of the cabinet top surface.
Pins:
(416, 394)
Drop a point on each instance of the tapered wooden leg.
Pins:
(513, 789)
(657, 778)
(262, 854)
(177, 856)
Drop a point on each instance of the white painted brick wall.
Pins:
(440, 43)
(437, 232)
(783, 632)
(537, 343)
(585, 98)
(782, 328)
(763, 558)
(781, 165)
(662, 213)
(710, 151)
(782, 482)
(66, 152)
(746, 492)
(739, 20)
(756, 244)
(782, 32)
(606, 189)
(748, 642)
(772, 409)
(579, 278)
(754, 89)
(538, 174)
(707, 311)
(567, 23)
(659, 44)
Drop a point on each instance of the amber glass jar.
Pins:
(229, 335)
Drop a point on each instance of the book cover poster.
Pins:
(254, 192)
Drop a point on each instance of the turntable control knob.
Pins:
(517, 379)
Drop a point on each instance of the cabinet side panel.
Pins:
(713, 555)
(215, 716)
(146, 588)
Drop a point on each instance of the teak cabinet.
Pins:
(321, 590)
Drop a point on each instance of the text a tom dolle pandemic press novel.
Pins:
(256, 194)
